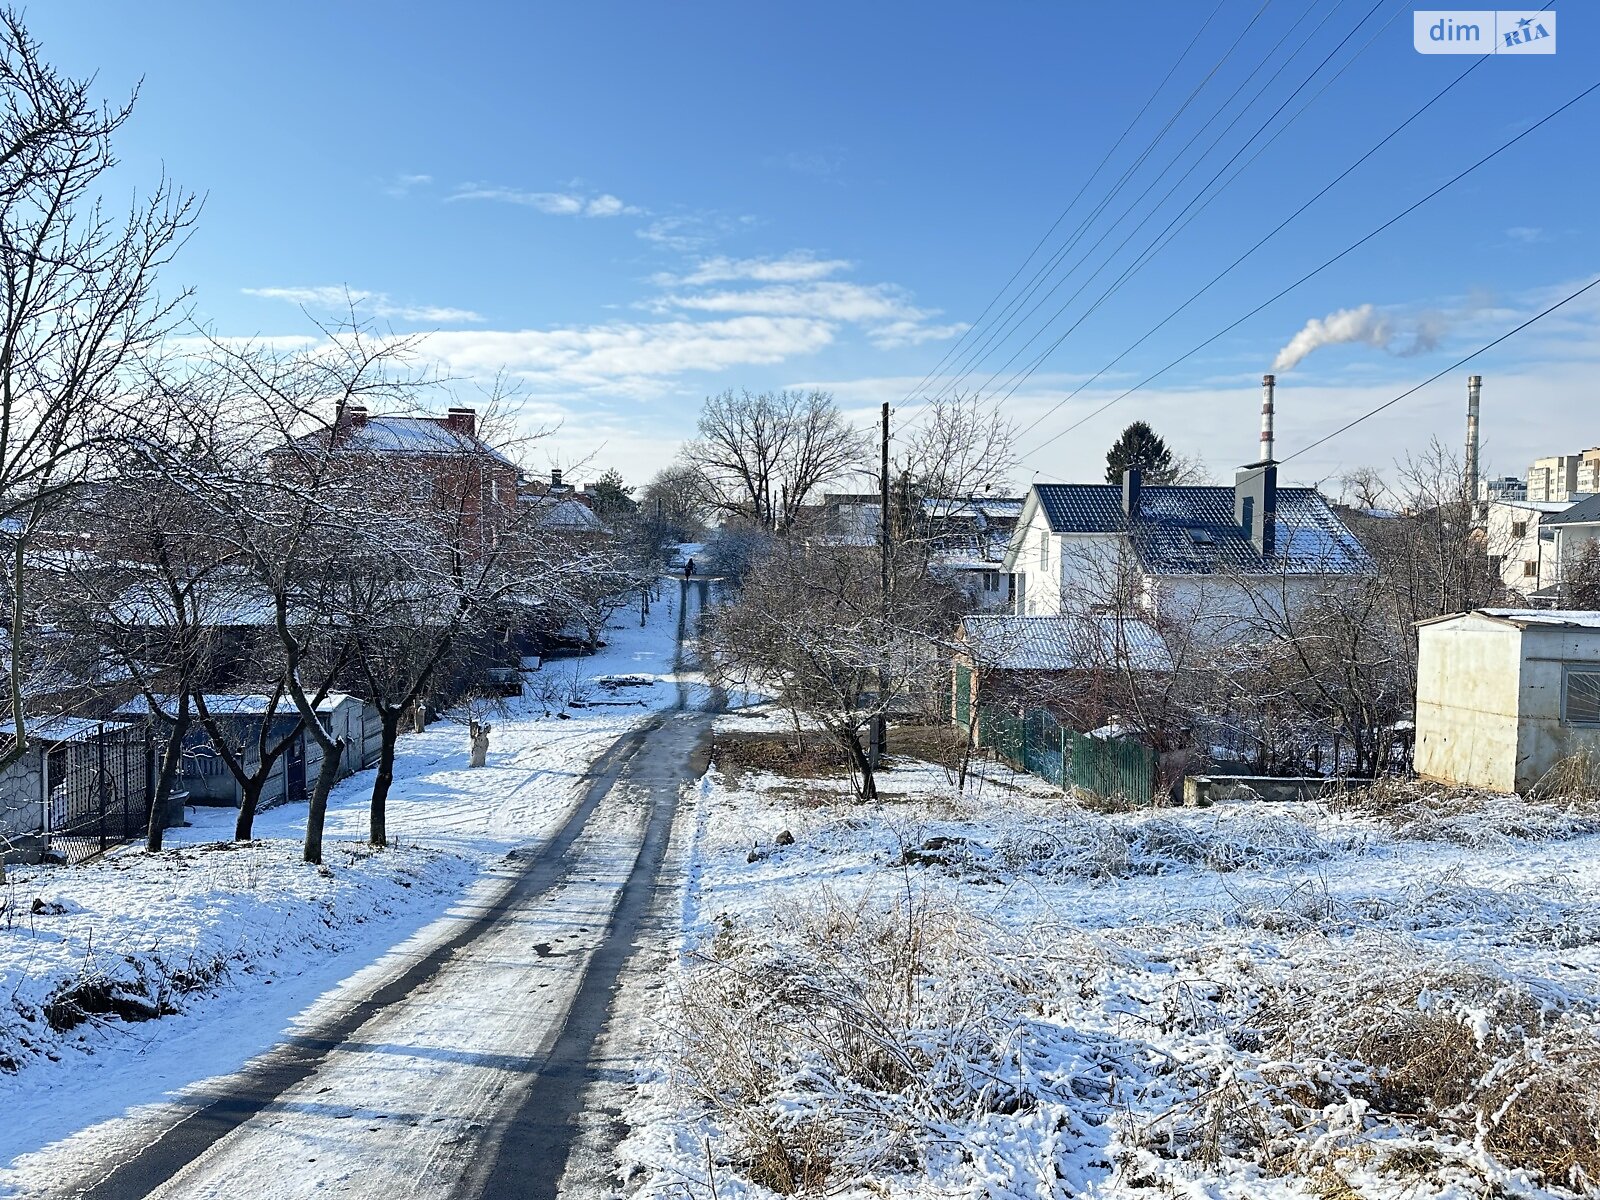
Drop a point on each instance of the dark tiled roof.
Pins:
(1583, 512)
(1185, 530)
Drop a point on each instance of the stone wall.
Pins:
(22, 795)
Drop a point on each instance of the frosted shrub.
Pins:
(841, 1042)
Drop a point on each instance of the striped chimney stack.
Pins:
(1268, 385)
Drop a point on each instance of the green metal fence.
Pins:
(1038, 744)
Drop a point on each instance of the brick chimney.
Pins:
(462, 420)
(555, 479)
(355, 416)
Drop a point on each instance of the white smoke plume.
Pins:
(1367, 326)
(1347, 325)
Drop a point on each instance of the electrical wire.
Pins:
(1460, 362)
(1315, 271)
(973, 329)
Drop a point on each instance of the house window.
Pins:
(1044, 551)
(422, 489)
(1530, 568)
(1580, 695)
(991, 581)
(1519, 529)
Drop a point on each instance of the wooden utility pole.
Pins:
(880, 723)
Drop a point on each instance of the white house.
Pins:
(1172, 550)
(1518, 543)
(1504, 694)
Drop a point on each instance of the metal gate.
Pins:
(97, 789)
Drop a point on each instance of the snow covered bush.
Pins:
(851, 1038)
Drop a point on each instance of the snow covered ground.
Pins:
(1006, 995)
(229, 943)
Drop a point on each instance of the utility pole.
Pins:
(880, 723)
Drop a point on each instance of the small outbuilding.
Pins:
(205, 776)
(1505, 694)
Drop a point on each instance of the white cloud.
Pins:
(1526, 234)
(682, 233)
(605, 205)
(557, 204)
(377, 304)
(628, 357)
(403, 185)
(883, 310)
(796, 267)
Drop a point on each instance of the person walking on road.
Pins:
(688, 569)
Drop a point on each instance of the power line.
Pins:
(1117, 145)
(1461, 362)
(1548, 117)
(1197, 205)
(1001, 329)
(1144, 256)
(1272, 233)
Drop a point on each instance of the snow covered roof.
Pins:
(382, 434)
(993, 508)
(1554, 617)
(1538, 506)
(1189, 530)
(234, 704)
(1525, 618)
(1066, 643)
(58, 728)
(1584, 512)
(567, 515)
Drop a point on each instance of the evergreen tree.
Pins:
(1140, 446)
(611, 496)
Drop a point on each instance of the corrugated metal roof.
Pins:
(1065, 643)
(1311, 540)
(58, 728)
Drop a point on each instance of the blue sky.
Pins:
(627, 206)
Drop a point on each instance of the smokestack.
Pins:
(1268, 385)
(1474, 388)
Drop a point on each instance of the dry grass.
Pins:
(1420, 810)
(826, 1045)
(815, 756)
(1460, 1052)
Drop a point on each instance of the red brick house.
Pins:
(438, 466)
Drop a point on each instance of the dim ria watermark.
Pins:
(1484, 31)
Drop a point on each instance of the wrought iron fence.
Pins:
(97, 788)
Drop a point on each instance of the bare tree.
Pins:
(763, 455)
(79, 304)
(152, 588)
(676, 497)
(297, 529)
(811, 627)
(1580, 576)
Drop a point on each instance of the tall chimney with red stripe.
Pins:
(1268, 386)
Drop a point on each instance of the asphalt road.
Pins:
(464, 1073)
